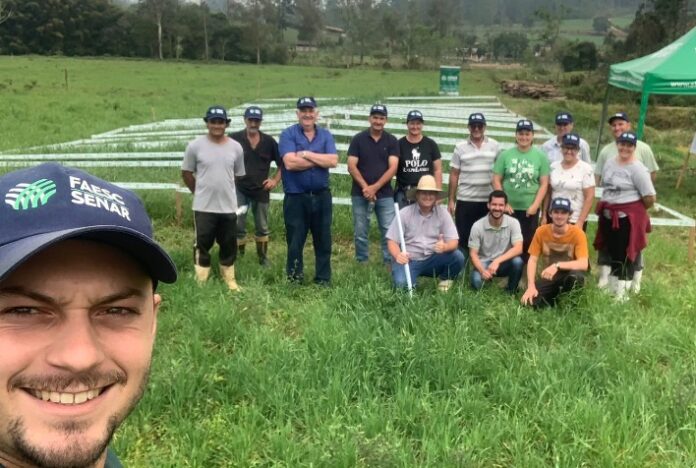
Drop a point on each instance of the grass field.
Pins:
(359, 375)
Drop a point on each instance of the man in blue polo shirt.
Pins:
(373, 156)
(307, 152)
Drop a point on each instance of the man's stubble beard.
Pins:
(74, 456)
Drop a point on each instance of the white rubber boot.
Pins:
(228, 276)
(621, 294)
(603, 281)
(635, 284)
(202, 273)
(444, 285)
(611, 285)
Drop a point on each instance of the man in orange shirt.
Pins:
(564, 257)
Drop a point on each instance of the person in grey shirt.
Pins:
(624, 223)
(430, 236)
(552, 147)
(210, 165)
(495, 245)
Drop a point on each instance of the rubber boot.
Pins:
(241, 244)
(202, 273)
(611, 285)
(262, 250)
(603, 281)
(227, 273)
(444, 285)
(635, 284)
(621, 291)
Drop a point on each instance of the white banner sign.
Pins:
(693, 145)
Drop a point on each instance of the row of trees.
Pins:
(260, 30)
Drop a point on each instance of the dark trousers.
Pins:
(305, 212)
(465, 215)
(562, 282)
(528, 225)
(212, 227)
(616, 242)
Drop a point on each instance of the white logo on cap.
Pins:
(84, 193)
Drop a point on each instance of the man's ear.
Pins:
(156, 302)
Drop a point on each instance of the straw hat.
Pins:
(425, 184)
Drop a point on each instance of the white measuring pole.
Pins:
(403, 248)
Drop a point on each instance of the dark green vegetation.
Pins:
(357, 375)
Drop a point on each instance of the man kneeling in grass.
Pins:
(564, 252)
(430, 236)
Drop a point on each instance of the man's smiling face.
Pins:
(77, 326)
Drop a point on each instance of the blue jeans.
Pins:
(305, 212)
(260, 212)
(511, 268)
(443, 266)
(362, 211)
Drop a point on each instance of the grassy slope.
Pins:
(359, 375)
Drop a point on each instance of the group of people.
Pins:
(79, 268)
(506, 208)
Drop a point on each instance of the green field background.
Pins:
(357, 374)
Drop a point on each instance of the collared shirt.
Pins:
(111, 461)
(493, 241)
(257, 164)
(552, 148)
(421, 232)
(373, 159)
(294, 140)
(475, 167)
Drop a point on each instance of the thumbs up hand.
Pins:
(440, 244)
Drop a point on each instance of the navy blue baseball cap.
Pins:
(378, 109)
(414, 115)
(253, 112)
(560, 203)
(571, 139)
(564, 118)
(628, 137)
(618, 115)
(306, 101)
(477, 118)
(216, 112)
(49, 203)
(523, 125)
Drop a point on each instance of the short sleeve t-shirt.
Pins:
(551, 249)
(570, 183)
(521, 173)
(421, 232)
(625, 183)
(491, 242)
(257, 164)
(416, 160)
(215, 165)
(644, 154)
(475, 167)
(373, 159)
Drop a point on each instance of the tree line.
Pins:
(259, 31)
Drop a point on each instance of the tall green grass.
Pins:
(360, 375)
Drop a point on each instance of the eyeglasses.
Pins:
(569, 149)
(478, 126)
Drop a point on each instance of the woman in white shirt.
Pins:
(573, 179)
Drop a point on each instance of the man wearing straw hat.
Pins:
(430, 238)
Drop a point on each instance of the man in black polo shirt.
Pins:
(373, 156)
(418, 155)
(254, 187)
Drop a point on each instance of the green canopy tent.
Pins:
(670, 70)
